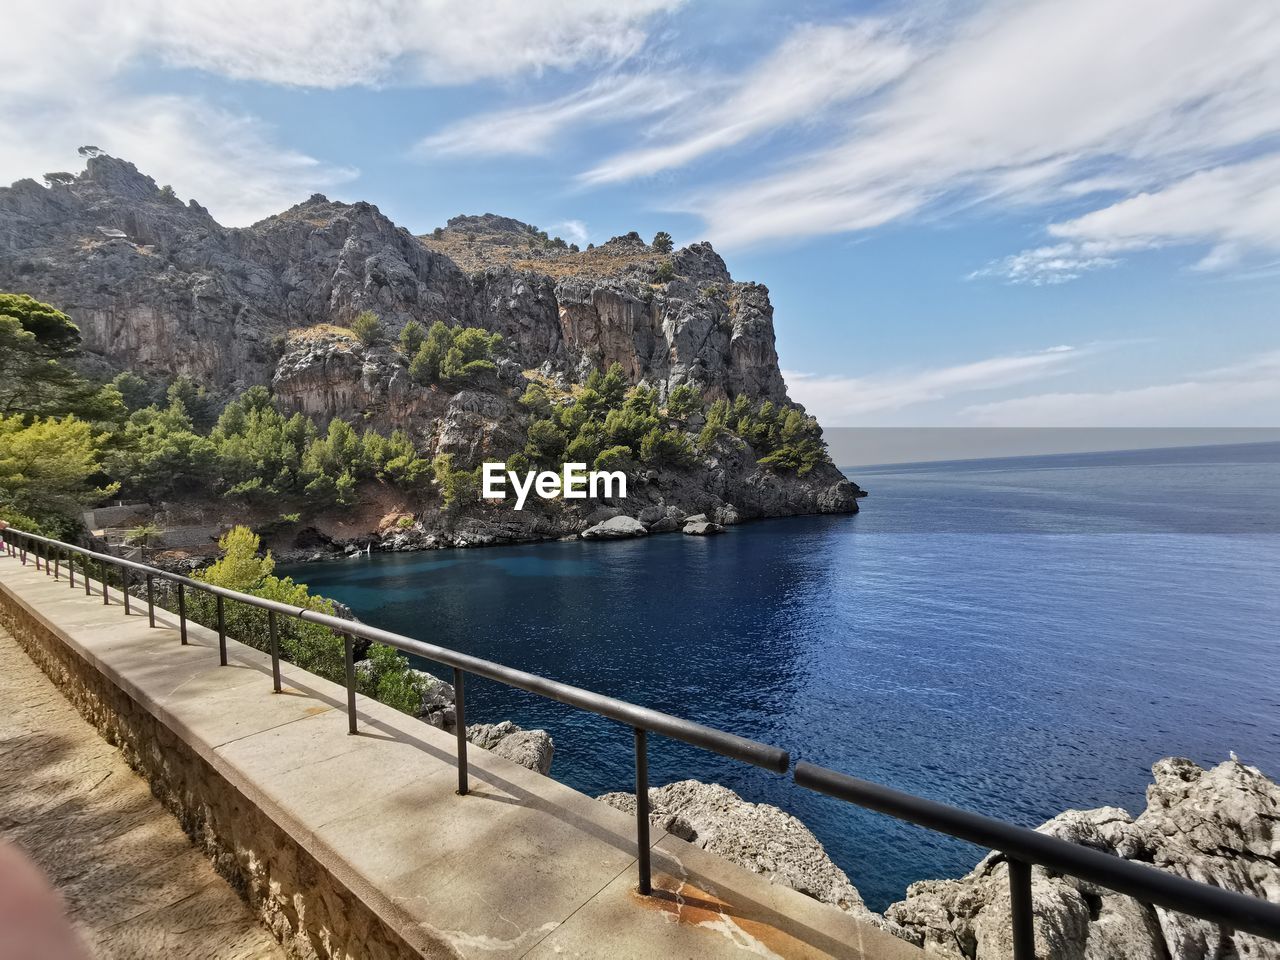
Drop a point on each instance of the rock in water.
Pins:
(529, 748)
(1220, 826)
(757, 836)
(615, 528)
(702, 529)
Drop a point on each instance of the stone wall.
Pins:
(305, 907)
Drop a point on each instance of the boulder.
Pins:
(435, 700)
(664, 525)
(529, 748)
(727, 515)
(757, 836)
(702, 528)
(616, 528)
(1220, 826)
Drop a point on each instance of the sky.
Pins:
(1030, 213)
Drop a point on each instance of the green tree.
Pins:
(135, 392)
(458, 487)
(683, 402)
(662, 242)
(547, 442)
(426, 363)
(470, 356)
(613, 386)
(196, 400)
(666, 448)
(411, 337)
(666, 272)
(50, 468)
(614, 458)
(158, 453)
(535, 400)
(36, 341)
(591, 439)
(368, 328)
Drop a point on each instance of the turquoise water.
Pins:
(1015, 637)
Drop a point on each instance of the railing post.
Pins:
(347, 646)
(88, 589)
(151, 599)
(71, 568)
(642, 812)
(57, 563)
(222, 633)
(124, 588)
(35, 553)
(1024, 930)
(460, 727)
(182, 611)
(275, 650)
(106, 594)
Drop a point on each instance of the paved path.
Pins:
(134, 885)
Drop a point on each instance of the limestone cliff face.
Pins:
(158, 286)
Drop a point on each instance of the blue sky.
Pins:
(981, 213)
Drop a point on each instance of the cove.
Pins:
(1016, 637)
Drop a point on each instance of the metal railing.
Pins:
(1021, 847)
(49, 554)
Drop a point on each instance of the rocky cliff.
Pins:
(1218, 826)
(159, 288)
(157, 285)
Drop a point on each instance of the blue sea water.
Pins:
(1015, 636)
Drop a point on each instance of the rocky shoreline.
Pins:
(1219, 826)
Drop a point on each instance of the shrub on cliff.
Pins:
(368, 328)
(454, 354)
(546, 442)
(458, 487)
(683, 402)
(411, 337)
(614, 458)
(666, 448)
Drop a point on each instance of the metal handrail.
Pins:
(1022, 847)
(642, 720)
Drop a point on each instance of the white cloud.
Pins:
(66, 77)
(844, 401)
(1059, 263)
(573, 230)
(1234, 209)
(334, 43)
(227, 161)
(1246, 394)
(1029, 102)
(811, 71)
(535, 129)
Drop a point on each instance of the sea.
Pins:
(1015, 637)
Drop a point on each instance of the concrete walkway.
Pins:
(134, 885)
(522, 866)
